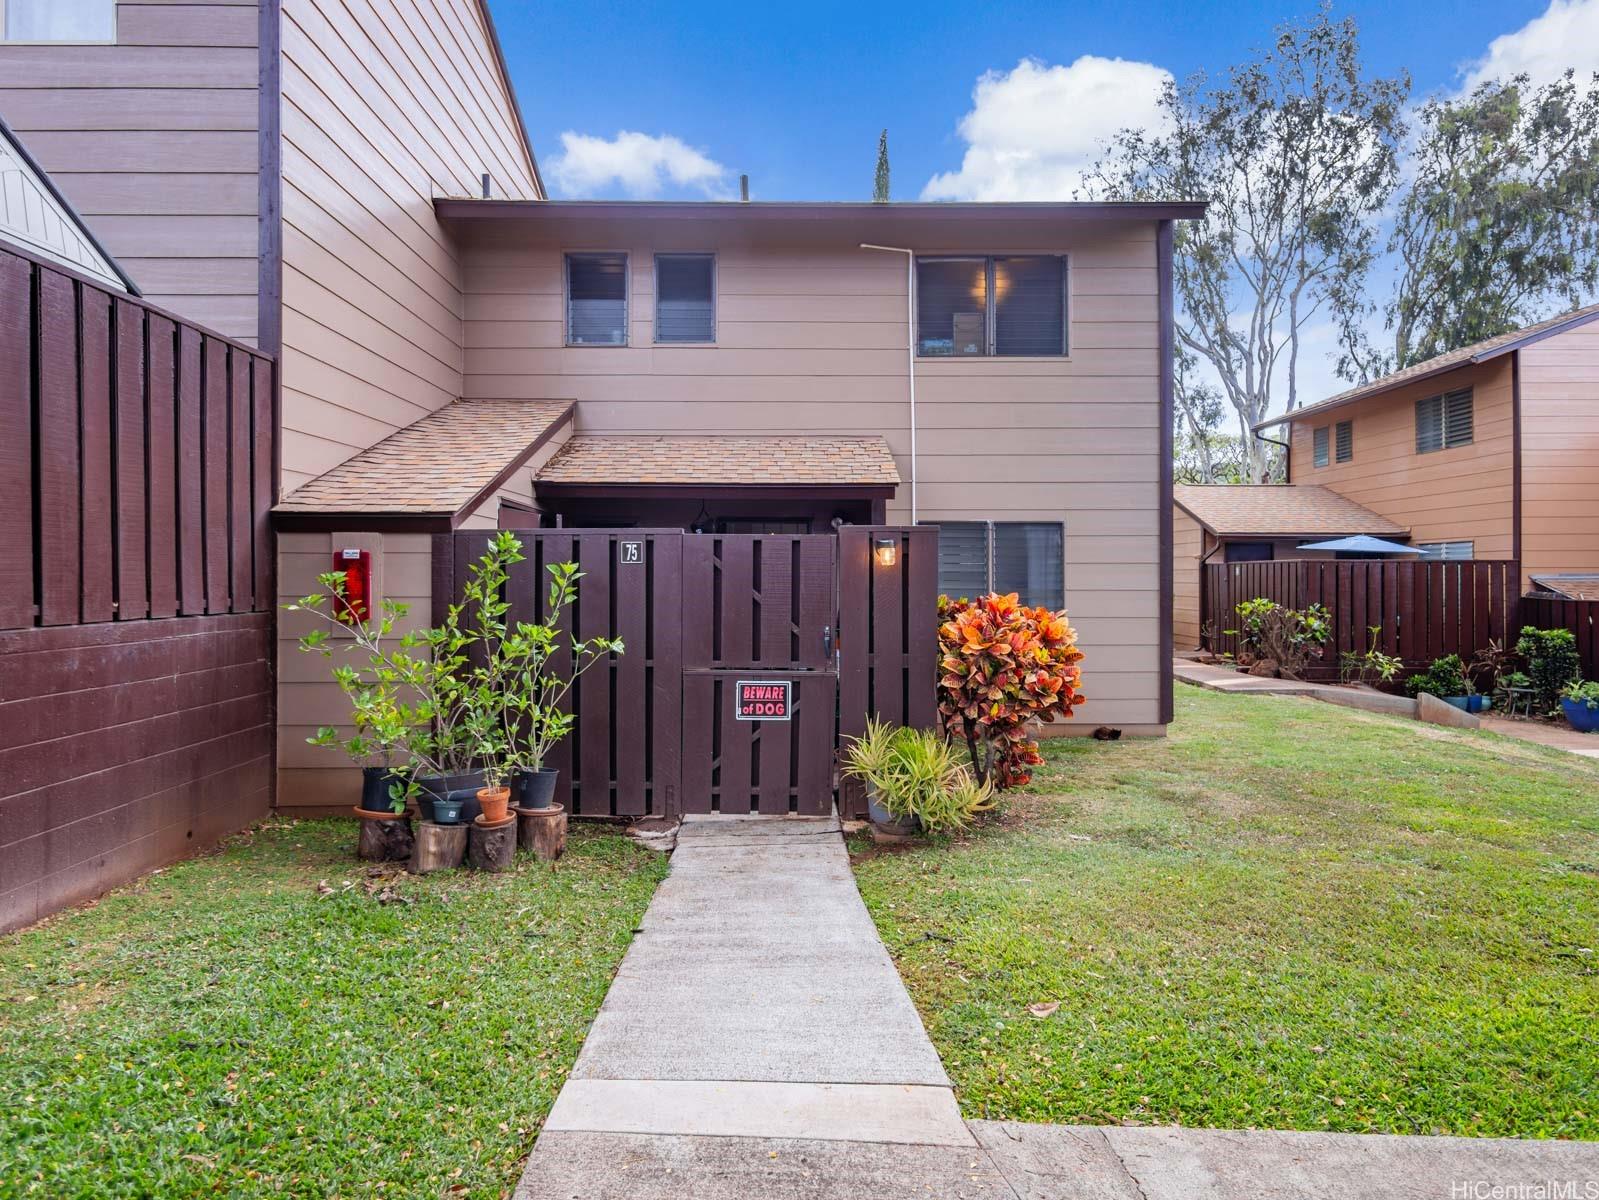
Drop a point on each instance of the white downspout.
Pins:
(910, 347)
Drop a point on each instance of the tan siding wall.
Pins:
(1560, 452)
(386, 104)
(310, 776)
(811, 338)
(154, 140)
(1188, 543)
(1449, 495)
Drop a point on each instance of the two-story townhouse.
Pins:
(349, 185)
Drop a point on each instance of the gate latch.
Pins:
(827, 641)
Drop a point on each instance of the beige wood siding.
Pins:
(1449, 495)
(154, 141)
(1188, 543)
(386, 105)
(811, 338)
(1560, 452)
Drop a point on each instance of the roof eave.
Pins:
(599, 490)
(462, 208)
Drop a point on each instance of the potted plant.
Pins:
(1580, 701)
(537, 664)
(1446, 679)
(915, 780)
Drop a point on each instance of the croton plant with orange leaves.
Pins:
(1003, 666)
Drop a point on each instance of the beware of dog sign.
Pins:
(763, 699)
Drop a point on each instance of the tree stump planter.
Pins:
(438, 847)
(491, 847)
(542, 830)
(385, 836)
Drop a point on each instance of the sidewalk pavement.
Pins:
(758, 1044)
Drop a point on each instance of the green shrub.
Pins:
(1587, 693)
(1446, 677)
(1552, 662)
(917, 773)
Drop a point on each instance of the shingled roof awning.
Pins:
(604, 465)
(430, 475)
(1280, 510)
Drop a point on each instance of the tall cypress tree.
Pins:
(880, 185)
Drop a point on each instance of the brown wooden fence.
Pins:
(136, 466)
(136, 596)
(1422, 610)
(1580, 616)
(658, 731)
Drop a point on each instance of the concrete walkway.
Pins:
(758, 1044)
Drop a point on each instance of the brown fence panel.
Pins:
(1420, 610)
(16, 446)
(887, 636)
(1545, 611)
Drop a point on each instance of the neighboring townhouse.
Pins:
(1223, 523)
(348, 185)
(1487, 452)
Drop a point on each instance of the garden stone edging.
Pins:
(1431, 709)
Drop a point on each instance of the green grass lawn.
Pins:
(226, 1027)
(1286, 915)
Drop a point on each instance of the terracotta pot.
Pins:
(495, 803)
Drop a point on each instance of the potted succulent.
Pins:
(915, 780)
(1580, 702)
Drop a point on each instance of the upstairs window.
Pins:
(1025, 557)
(1344, 441)
(1318, 447)
(1012, 306)
(596, 299)
(1444, 422)
(685, 307)
(59, 20)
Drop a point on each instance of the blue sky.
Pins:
(795, 95)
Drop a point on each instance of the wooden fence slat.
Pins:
(133, 550)
(888, 638)
(594, 698)
(668, 699)
(263, 486)
(94, 438)
(736, 758)
(699, 724)
(776, 610)
(818, 695)
(241, 530)
(921, 580)
(161, 357)
(191, 514)
(629, 697)
(774, 748)
(816, 599)
(560, 548)
(214, 468)
(16, 446)
(737, 600)
(60, 511)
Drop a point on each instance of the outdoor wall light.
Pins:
(885, 550)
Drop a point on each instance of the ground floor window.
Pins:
(1249, 552)
(1446, 551)
(1025, 557)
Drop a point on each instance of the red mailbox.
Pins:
(356, 567)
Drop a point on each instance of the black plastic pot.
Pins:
(375, 783)
(462, 787)
(534, 789)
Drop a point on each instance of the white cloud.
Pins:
(639, 164)
(1034, 130)
(1566, 36)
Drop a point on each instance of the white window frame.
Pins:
(10, 41)
(1463, 550)
(988, 544)
(566, 299)
(655, 267)
(991, 307)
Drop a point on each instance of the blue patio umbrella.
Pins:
(1361, 543)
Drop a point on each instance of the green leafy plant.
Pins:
(1490, 665)
(1289, 637)
(1585, 692)
(1552, 662)
(1002, 667)
(916, 773)
(1370, 666)
(1445, 677)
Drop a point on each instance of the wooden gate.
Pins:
(661, 729)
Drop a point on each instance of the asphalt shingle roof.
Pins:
(435, 465)
(1291, 510)
(712, 459)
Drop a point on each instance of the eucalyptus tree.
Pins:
(1296, 151)
(880, 180)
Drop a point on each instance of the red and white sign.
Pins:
(763, 699)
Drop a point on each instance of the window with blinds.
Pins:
(1344, 441)
(1444, 422)
(1318, 447)
(1025, 557)
(685, 304)
(596, 299)
(1447, 551)
(1010, 306)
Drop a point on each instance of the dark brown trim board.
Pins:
(1163, 267)
(454, 208)
(269, 205)
(729, 491)
(1515, 456)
